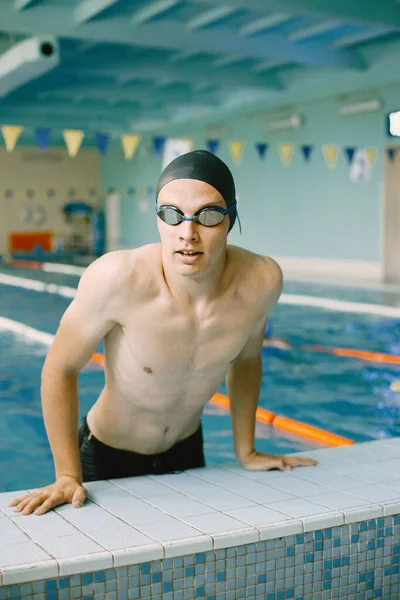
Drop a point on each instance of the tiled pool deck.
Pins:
(220, 533)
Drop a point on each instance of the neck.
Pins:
(190, 288)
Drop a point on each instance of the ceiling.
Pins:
(137, 65)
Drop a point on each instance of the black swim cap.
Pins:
(203, 166)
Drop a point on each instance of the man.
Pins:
(176, 318)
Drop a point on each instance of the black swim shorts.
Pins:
(100, 461)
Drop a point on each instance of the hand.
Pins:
(65, 489)
(256, 461)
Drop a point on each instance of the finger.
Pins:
(34, 503)
(277, 463)
(79, 497)
(48, 504)
(300, 461)
(17, 500)
(23, 503)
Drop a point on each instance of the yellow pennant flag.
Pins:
(286, 152)
(371, 155)
(331, 154)
(130, 142)
(11, 134)
(73, 140)
(236, 149)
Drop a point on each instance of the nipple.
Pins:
(148, 370)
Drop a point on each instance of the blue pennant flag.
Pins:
(306, 150)
(391, 152)
(212, 146)
(42, 137)
(262, 149)
(350, 153)
(159, 143)
(102, 140)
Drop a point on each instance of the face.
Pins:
(190, 247)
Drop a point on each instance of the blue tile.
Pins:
(362, 577)
(38, 587)
(3, 593)
(388, 531)
(327, 564)
(327, 574)
(371, 545)
(336, 563)
(87, 578)
(51, 595)
(380, 543)
(51, 585)
(378, 593)
(270, 597)
(200, 591)
(318, 535)
(167, 587)
(337, 542)
(189, 571)
(310, 558)
(363, 526)
(289, 593)
(156, 577)
(261, 578)
(221, 576)
(372, 524)
(299, 540)
(290, 551)
(99, 577)
(200, 558)
(380, 533)
(280, 595)
(63, 583)
(327, 585)
(145, 568)
(112, 574)
(319, 546)
(328, 533)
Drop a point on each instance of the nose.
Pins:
(188, 231)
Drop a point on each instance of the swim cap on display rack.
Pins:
(203, 166)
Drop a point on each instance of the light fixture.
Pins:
(292, 122)
(360, 107)
(394, 124)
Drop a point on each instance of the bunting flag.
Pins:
(371, 155)
(11, 134)
(306, 150)
(262, 149)
(130, 142)
(102, 140)
(42, 137)
(391, 152)
(236, 149)
(350, 154)
(73, 139)
(286, 153)
(212, 146)
(159, 143)
(331, 154)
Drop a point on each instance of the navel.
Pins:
(166, 429)
(147, 369)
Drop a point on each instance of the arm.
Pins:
(243, 383)
(92, 313)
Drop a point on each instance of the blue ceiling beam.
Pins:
(170, 35)
(89, 9)
(305, 33)
(152, 10)
(384, 12)
(209, 17)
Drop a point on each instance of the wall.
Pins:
(304, 210)
(26, 176)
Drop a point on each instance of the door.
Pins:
(391, 220)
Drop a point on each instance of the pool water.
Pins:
(343, 395)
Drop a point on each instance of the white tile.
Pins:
(142, 487)
(133, 511)
(391, 465)
(140, 554)
(237, 538)
(202, 543)
(216, 523)
(355, 515)
(280, 529)
(35, 571)
(391, 508)
(100, 486)
(84, 564)
(10, 533)
(119, 537)
(374, 493)
(219, 498)
(340, 500)
(20, 554)
(178, 481)
(381, 450)
(168, 530)
(49, 525)
(366, 473)
(299, 487)
(258, 515)
(394, 484)
(178, 505)
(70, 546)
(314, 523)
(300, 508)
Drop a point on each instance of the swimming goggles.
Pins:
(208, 216)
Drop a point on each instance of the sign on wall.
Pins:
(174, 148)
